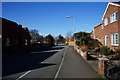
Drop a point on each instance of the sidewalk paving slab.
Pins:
(74, 66)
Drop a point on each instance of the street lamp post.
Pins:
(74, 27)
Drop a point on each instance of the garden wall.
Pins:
(112, 70)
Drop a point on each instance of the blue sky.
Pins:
(51, 17)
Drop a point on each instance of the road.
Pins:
(37, 64)
(49, 63)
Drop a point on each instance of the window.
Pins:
(113, 17)
(106, 40)
(105, 21)
(102, 26)
(116, 16)
(114, 39)
(7, 41)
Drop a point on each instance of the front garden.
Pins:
(94, 48)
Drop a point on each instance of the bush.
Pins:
(77, 43)
(105, 50)
(90, 43)
(117, 51)
(84, 48)
(85, 41)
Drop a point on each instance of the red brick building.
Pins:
(108, 32)
(69, 42)
(14, 34)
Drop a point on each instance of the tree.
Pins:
(85, 41)
(83, 38)
(35, 36)
(82, 34)
(69, 35)
(50, 39)
(60, 39)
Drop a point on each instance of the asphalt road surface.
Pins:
(37, 64)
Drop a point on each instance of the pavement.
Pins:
(74, 66)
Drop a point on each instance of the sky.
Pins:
(51, 17)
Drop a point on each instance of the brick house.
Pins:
(25, 36)
(69, 42)
(108, 32)
(13, 34)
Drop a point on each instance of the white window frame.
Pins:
(105, 21)
(113, 39)
(113, 17)
(102, 26)
(106, 39)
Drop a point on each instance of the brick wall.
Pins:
(110, 28)
(119, 24)
(98, 30)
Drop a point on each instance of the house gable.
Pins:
(117, 4)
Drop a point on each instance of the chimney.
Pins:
(20, 25)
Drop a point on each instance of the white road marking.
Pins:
(24, 75)
(0, 36)
(59, 67)
(46, 51)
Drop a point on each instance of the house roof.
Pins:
(24, 28)
(98, 25)
(69, 40)
(111, 3)
(118, 3)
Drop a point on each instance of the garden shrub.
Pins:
(84, 48)
(117, 51)
(84, 40)
(78, 43)
(105, 50)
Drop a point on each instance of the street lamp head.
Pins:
(68, 16)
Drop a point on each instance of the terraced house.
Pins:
(108, 32)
